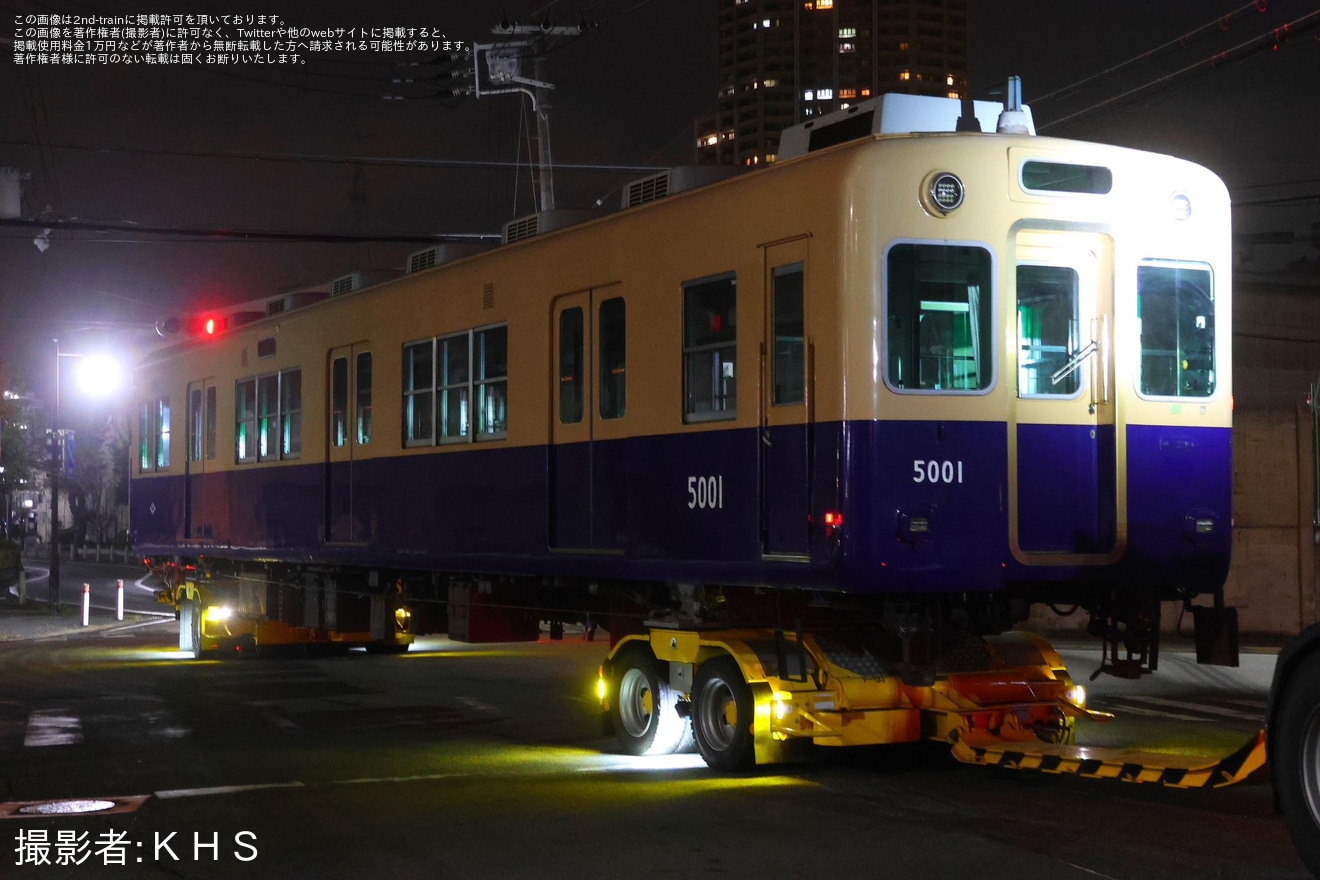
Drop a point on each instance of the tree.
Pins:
(19, 456)
(99, 474)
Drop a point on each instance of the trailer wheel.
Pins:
(1297, 762)
(722, 716)
(190, 627)
(644, 710)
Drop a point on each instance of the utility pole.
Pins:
(504, 75)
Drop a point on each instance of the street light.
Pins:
(98, 377)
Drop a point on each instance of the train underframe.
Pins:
(742, 675)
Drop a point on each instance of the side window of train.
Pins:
(1176, 312)
(245, 420)
(613, 358)
(201, 423)
(570, 366)
(449, 380)
(279, 415)
(938, 318)
(211, 421)
(710, 389)
(154, 435)
(789, 356)
(491, 365)
(362, 415)
(268, 417)
(339, 400)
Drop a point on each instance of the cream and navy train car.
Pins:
(964, 370)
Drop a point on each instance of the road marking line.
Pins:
(365, 780)
(1196, 707)
(223, 789)
(52, 727)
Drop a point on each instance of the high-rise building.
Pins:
(784, 61)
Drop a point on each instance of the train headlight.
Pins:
(942, 193)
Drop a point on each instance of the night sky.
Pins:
(208, 149)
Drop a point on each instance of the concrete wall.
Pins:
(1276, 362)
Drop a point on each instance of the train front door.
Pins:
(785, 404)
(201, 453)
(588, 456)
(1066, 492)
(348, 430)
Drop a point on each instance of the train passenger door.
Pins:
(348, 430)
(201, 453)
(785, 406)
(588, 477)
(1065, 497)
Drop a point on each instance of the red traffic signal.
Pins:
(207, 325)
(197, 326)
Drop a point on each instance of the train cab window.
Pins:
(938, 316)
(789, 361)
(1176, 311)
(363, 410)
(455, 366)
(245, 420)
(613, 359)
(570, 366)
(491, 365)
(1048, 331)
(710, 389)
(339, 402)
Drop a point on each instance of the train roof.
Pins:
(886, 115)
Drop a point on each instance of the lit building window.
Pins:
(809, 95)
(846, 48)
(866, 93)
(765, 23)
(905, 75)
(824, 4)
(846, 94)
(770, 83)
(769, 157)
(847, 33)
(824, 94)
(953, 94)
(948, 80)
(710, 140)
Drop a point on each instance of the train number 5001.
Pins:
(937, 471)
(705, 492)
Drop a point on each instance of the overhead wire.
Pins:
(1293, 28)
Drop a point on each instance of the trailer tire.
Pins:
(722, 716)
(190, 628)
(644, 710)
(1296, 763)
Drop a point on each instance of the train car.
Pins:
(810, 440)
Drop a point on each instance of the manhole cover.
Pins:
(64, 808)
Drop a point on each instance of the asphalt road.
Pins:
(458, 761)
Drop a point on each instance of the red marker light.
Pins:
(833, 522)
(209, 326)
